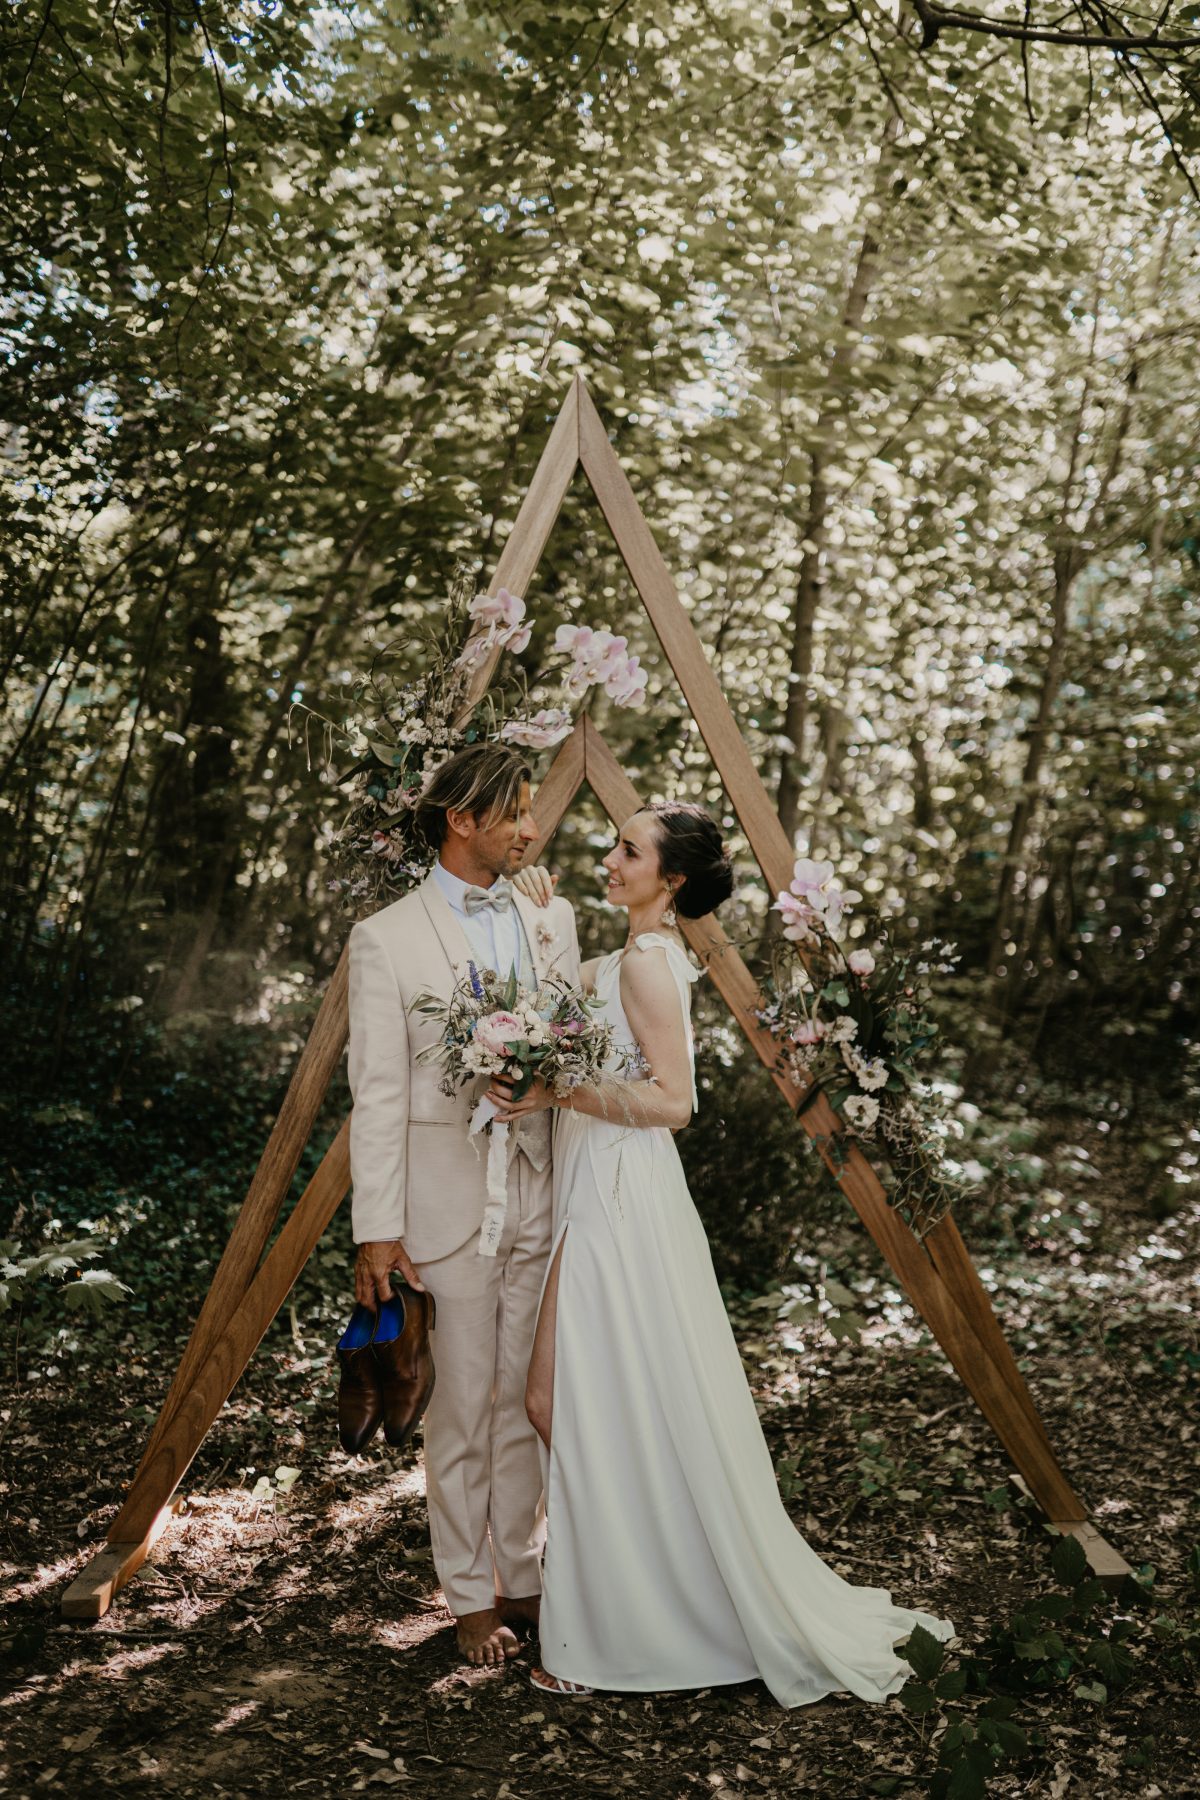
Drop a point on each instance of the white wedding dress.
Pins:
(670, 1561)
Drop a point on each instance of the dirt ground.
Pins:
(296, 1642)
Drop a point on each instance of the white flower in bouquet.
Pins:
(491, 1025)
(861, 962)
(844, 1030)
(478, 1060)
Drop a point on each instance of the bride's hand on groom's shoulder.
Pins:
(536, 883)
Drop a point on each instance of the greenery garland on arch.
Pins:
(855, 1023)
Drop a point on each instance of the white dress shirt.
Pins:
(497, 939)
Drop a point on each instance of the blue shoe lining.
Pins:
(362, 1325)
(391, 1321)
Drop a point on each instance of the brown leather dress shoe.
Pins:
(360, 1397)
(405, 1366)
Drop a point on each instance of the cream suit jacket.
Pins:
(416, 1175)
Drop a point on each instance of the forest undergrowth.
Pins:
(288, 1630)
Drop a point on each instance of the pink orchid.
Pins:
(798, 919)
(626, 685)
(809, 877)
(571, 638)
(549, 726)
(599, 656)
(503, 614)
(501, 608)
(813, 883)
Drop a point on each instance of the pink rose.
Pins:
(496, 1031)
(810, 1032)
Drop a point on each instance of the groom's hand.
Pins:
(373, 1271)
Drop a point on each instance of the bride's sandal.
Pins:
(546, 1683)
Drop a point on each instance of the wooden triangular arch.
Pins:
(247, 1289)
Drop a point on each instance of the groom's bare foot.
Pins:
(485, 1639)
(521, 1614)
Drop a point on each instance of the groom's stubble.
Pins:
(494, 848)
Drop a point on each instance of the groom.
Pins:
(420, 1184)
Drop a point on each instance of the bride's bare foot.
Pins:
(485, 1639)
(555, 1684)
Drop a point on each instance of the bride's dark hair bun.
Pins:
(689, 844)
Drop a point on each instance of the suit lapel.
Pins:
(450, 933)
(529, 915)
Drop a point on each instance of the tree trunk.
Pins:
(815, 530)
(1067, 564)
(223, 866)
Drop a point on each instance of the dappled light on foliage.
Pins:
(892, 313)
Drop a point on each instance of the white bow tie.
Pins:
(498, 897)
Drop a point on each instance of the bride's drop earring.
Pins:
(668, 917)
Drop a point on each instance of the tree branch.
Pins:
(935, 18)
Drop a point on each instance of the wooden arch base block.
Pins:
(936, 1273)
(92, 1593)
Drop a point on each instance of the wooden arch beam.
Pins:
(936, 1273)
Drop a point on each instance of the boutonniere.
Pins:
(546, 934)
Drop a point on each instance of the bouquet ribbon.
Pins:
(492, 1229)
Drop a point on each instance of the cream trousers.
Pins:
(483, 1471)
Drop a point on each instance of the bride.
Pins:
(670, 1560)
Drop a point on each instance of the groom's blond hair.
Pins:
(482, 779)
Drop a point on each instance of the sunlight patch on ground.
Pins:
(46, 1575)
(363, 1510)
(405, 1633)
(237, 1714)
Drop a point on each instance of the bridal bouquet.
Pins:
(403, 725)
(855, 1022)
(493, 1026)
